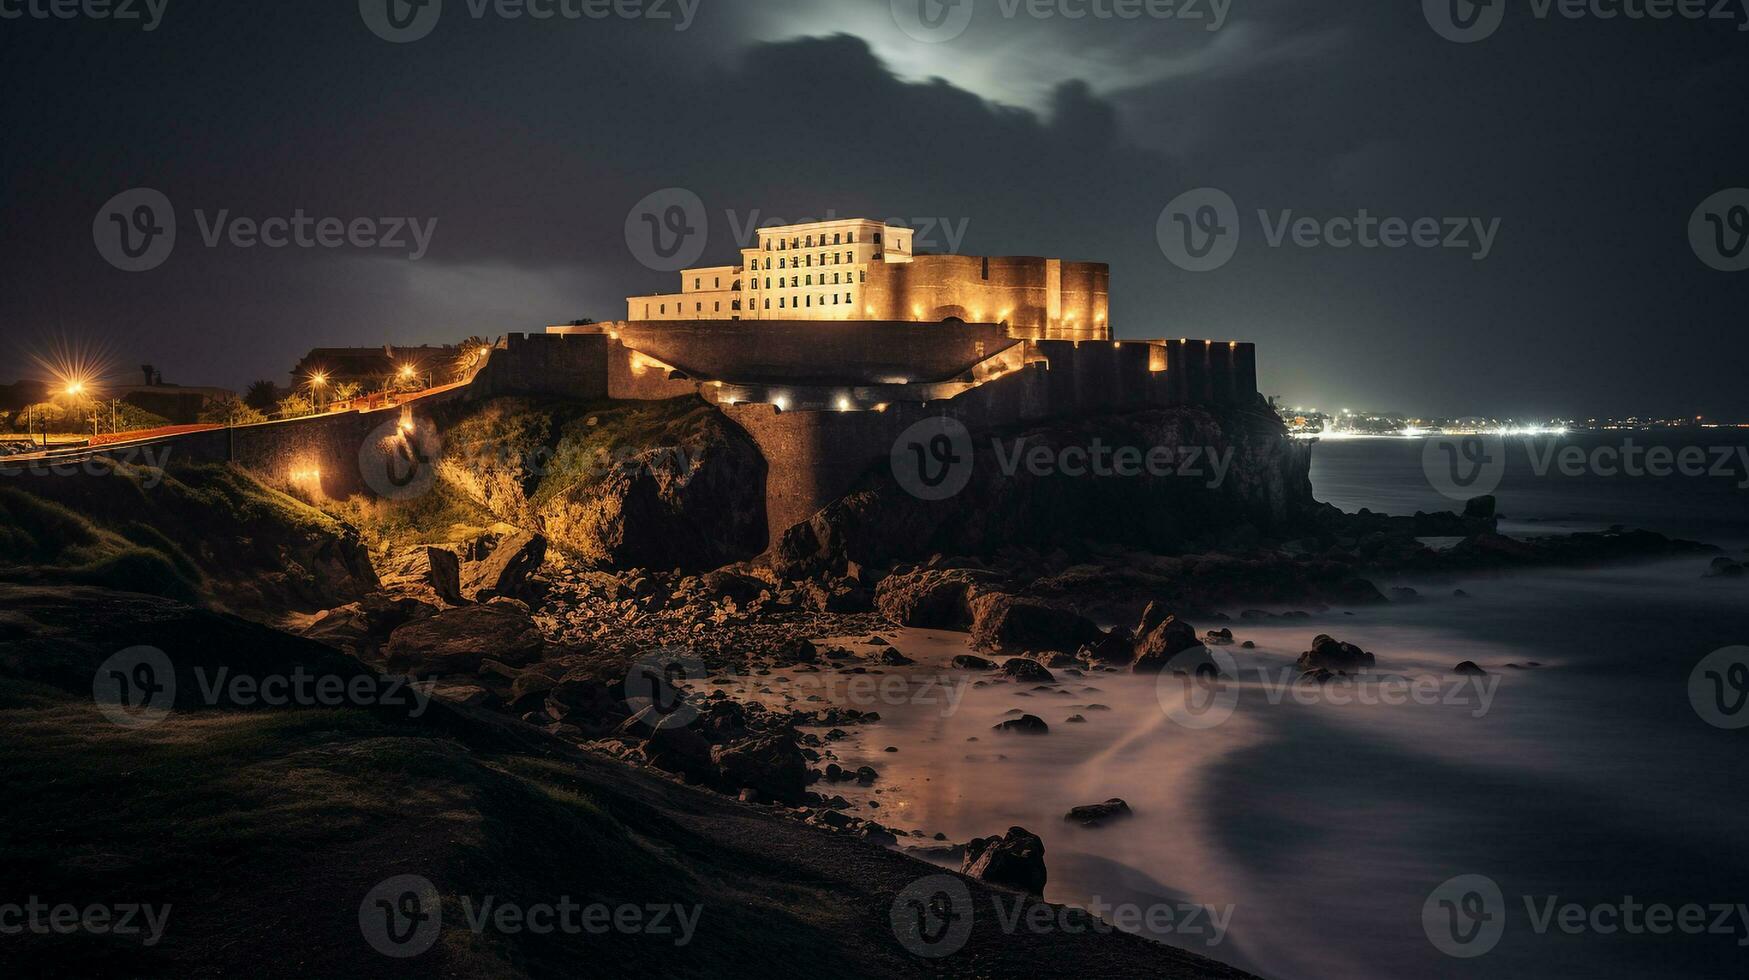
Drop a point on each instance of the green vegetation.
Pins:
(192, 532)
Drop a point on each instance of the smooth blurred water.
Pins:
(1326, 827)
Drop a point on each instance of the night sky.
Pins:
(1592, 142)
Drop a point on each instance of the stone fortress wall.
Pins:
(1038, 298)
(819, 435)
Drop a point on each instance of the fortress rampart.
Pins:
(823, 413)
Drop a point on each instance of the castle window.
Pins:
(664, 309)
(809, 280)
(809, 301)
(646, 311)
(877, 238)
(768, 302)
(837, 238)
(698, 307)
(717, 282)
(986, 268)
(853, 238)
(695, 282)
(780, 302)
(717, 307)
(865, 277)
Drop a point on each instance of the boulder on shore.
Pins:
(1016, 860)
(1095, 814)
(1023, 669)
(455, 641)
(1024, 725)
(1332, 654)
(1008, 622)
(771, 764)
(505, 571)
(1169, 638)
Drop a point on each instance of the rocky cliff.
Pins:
(668, 484)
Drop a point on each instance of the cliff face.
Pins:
(647, 484)
(1218, 478)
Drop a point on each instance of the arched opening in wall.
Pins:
(986, 269)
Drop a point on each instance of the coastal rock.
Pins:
(771, 764)
(1469, 669)
(1165, 641)
(938, 598)
(1016, 860)
(1023, 669)
(1333, 654)
(730, 585)
(443, 572)
(506, 570)
(1009, 622)
(1095, 814)
(454, 641)
(1723, 567)
(966, 661)
(1024, 725)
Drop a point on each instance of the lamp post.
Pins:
(318, 381)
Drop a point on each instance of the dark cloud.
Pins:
(529, 141)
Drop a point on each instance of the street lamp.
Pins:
(318, 381)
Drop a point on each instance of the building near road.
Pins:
(859, 269)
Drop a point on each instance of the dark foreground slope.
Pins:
(265, 829)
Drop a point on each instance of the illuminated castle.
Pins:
(858, 269)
